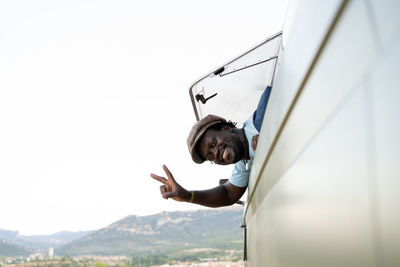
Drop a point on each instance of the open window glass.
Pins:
(232, 91)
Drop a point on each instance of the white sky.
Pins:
(94, 97)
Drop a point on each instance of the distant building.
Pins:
(36, 256)
(51, 253)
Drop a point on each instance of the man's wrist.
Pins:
(189, 196)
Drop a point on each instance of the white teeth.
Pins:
(225, 155)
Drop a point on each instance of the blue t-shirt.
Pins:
(241, 173)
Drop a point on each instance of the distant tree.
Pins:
(67, 258)
(99, 264)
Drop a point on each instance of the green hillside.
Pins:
(164, 233)
(8, 250)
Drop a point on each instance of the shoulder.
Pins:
(240, 175)
(249, 129)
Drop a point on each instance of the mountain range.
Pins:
(40, 242)
(7, 249)
(163, 233)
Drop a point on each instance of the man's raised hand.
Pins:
(170, 188)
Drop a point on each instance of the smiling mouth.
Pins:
(220, 153)
(225, 154)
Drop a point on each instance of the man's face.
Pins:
(222, 146)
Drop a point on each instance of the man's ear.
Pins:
(226, 128)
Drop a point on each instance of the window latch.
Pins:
(200, 97)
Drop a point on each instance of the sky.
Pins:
(94, 97)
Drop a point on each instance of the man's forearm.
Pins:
(215, 197)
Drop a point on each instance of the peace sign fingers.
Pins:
(168, 173)
(159, 178)
(170, 188)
